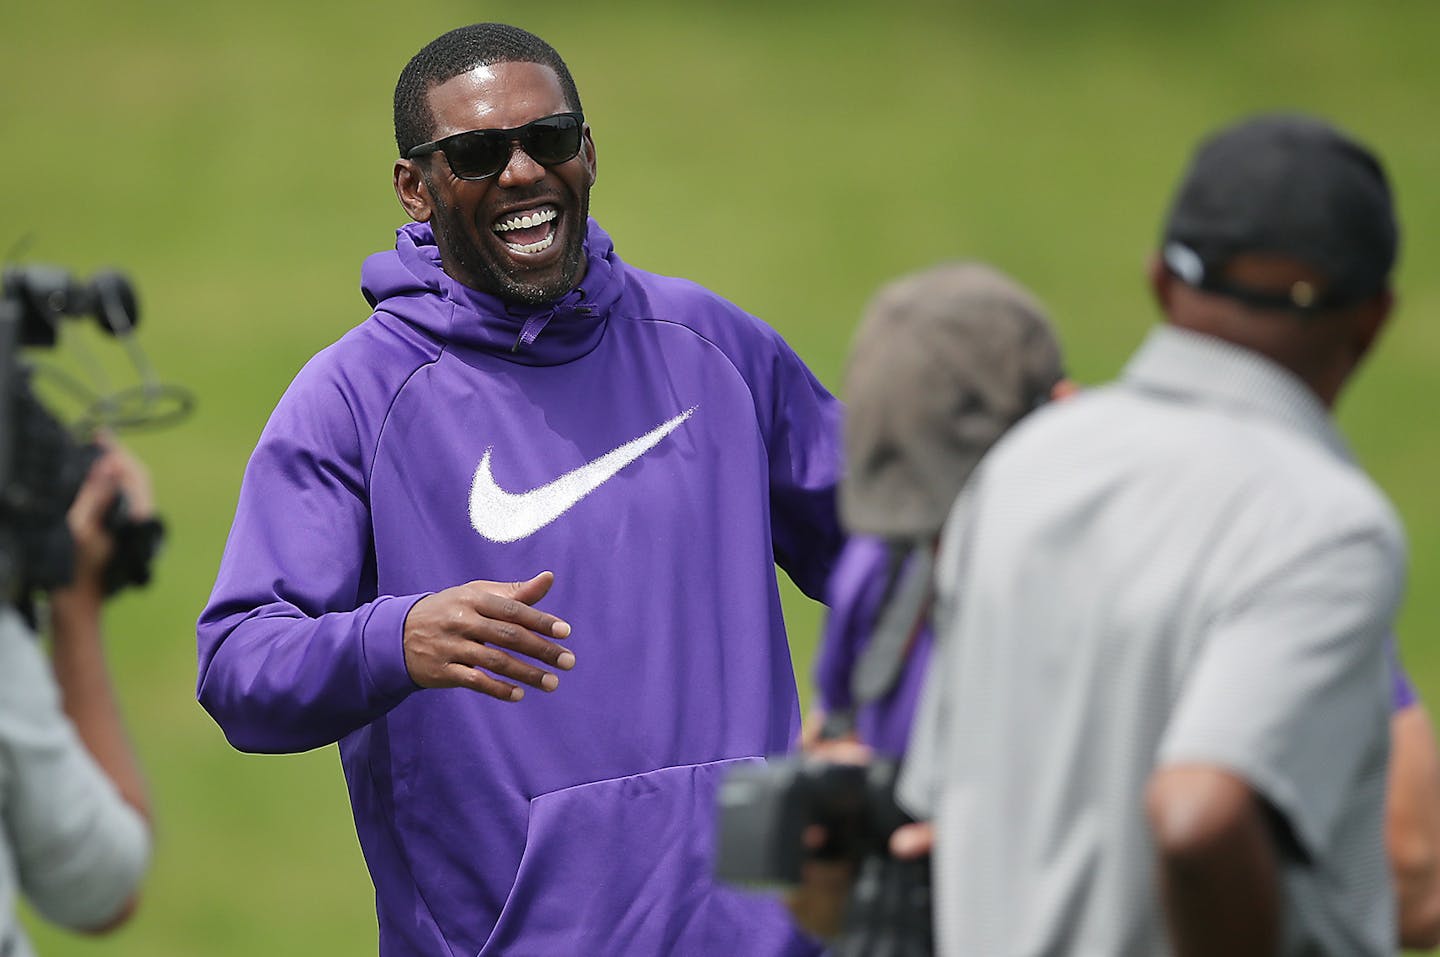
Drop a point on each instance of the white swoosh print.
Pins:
(503, 516)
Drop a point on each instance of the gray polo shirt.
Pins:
(1184, 567)
(68, 842)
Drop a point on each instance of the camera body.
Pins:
(764, 812)
(41, 465)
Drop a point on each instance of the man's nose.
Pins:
(521, 169)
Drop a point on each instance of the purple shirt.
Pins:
(656, 447)
(854, 594)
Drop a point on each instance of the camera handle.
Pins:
(889, 911)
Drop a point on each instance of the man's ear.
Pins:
(587, 153)
(1369, 321)
(413, 192)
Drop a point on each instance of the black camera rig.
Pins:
(42, 462)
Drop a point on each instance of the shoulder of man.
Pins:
(342, 394)
(661, 298)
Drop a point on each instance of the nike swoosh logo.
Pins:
(503, 516)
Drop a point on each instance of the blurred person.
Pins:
(527, 417)
(944, 362)
(1158, 721)
(73, 803)
(1412, 818)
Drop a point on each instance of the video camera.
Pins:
(41, 464)
(764, 812)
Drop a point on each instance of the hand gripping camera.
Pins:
(41, 464)
(765, 809)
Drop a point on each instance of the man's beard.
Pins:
(500, 278)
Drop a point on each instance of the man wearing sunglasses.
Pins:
(524, 407)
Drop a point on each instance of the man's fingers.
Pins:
(134, 481)
(499, 663)
(454, 637)
(526, 592)
(463, 676)
(508, 607)
(94, 496)
(910, 841)
(534, 589)
(503, 634)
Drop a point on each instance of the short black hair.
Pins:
(460, 51)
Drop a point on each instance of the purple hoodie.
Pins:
(581, 821)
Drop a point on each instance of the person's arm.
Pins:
(291, 657)
(295, 648)
(77, 810)
(77, 651)
(1219, 878)
(80, 851)
(1412, 826)
(802, 436)
(1274, 741)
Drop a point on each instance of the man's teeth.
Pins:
(532, 247)
(526, 221)
(531, 221)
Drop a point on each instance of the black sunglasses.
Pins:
(477, 154)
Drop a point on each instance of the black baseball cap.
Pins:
(1289, 185)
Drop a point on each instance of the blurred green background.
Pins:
(235, 159)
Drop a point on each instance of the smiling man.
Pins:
(524, 407)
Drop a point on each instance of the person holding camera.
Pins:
(945, 361)
(74, 811)
(908, 462)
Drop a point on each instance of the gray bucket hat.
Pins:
(944, 362)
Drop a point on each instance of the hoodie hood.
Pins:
(410, 283)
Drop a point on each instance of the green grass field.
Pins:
(236, 160)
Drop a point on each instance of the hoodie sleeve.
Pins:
(295, 649)
(799, 420)
(805, 460)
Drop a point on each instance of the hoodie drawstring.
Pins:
(536, 323)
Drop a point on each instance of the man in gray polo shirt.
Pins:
(1158, 723)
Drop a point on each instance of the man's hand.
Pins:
(115, 472)
(453, 634)
(910, 842)
(819, 901)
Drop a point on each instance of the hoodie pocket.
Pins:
(624, 867)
